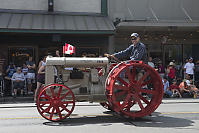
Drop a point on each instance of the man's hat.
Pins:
(135, 35)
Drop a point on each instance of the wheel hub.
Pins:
(56, 101)
(134, 88)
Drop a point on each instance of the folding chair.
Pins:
(24, 89)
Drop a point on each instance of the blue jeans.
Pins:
(169, 93)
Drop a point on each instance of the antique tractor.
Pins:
(132, 89)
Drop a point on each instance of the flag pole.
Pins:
(63, 50)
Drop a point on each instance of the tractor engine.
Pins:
(84, 76)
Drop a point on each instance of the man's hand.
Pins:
(112, 56)
(108, 55)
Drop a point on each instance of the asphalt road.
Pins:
(172, 116)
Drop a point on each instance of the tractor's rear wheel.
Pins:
(134, 89)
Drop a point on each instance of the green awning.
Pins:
(55, 23)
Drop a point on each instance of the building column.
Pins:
(111, 45)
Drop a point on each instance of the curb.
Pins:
(180, 100)
(16, 100)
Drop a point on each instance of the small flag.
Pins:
(68, 49)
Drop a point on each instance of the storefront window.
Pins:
(155, 51)
(187, 51)
(19, 55)
(173, 52)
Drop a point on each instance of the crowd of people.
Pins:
(20, 79)
(179, 81)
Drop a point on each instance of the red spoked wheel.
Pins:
(55, 102)
(134, 89)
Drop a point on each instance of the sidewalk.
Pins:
(180, 100)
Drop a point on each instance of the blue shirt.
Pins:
(133, 52)
(31, 63)
(11, 72)
(166, 85)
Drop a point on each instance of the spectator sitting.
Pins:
(167, 91)
(194, 89)
(175, 89)
(11, 69)
(187, 80)
(25, 70)
(18, 81)
(184, 88)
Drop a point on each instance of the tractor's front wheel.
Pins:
(55, 102)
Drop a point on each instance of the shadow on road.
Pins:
(161, 121)
(155, 120)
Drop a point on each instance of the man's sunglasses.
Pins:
(133, 38)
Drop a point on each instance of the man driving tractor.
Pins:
(136, 51)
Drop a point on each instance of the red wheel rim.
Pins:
(126, 89)
(55, 102)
